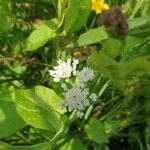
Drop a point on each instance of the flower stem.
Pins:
(103, 89)
(89, 110)
(72, 116)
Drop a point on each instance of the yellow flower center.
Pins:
(98, 6)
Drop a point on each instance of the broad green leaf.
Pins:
(115, 47)
(41, 35)
(39, 107)
(118, 72)
(77, 14)
(143, 30)
(90, 37)
(111, 127)
(137, 66)
(5, 146)
(5, 21)
(73, 144)
(95, 131)
(138, 22)
(112, 47)
(108, 66)
(10, 121)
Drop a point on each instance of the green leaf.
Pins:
(41, 35)
(77, 14)
(112, 47)
(115, 47)
(138, 22)
(111, 127)
(90, 37)
(96, 132)
(39, 107)
(118, 72)
(41, 146)
(137, 66)
(5, 146)
(108, 66)
(10, 121)
(5, 21)
(73, 144)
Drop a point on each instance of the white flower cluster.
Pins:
(78, 97)
(64, 69)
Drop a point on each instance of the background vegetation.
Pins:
(33, 35)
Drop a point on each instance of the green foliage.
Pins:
(42, 146)
(5, 21)
(41, 35)
(33, 36)
(10, 121)
(39, 107)
(90, 37)
(119, 72)
(73, 144)
(77, 14)
(101, 132)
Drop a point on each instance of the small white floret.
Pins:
(85, 75)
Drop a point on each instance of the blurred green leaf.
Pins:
(96, 132)
(115, 47)
(39, 107)
(41, 146)
(10, 121)
(118, 72)
(5, 146)
(73, 144)
(138, 22)
(108, 66)
(90, 37)
(77, 14)
(5, 21)
(41, 35)
(112, 47)
(137, 66)
(111, 127)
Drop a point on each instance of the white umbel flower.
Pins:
(80, 114)
(93, 97)
(64, 86)
(63, 70)
(76, 98)
(85, 75)
(74, 66)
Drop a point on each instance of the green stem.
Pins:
(58, 134)
(93, 21)
(72, 116)
(103, 88)
(140, 143)
(147, 143)
(89, 110)
(136, 8)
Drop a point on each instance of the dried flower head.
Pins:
(115, 22)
